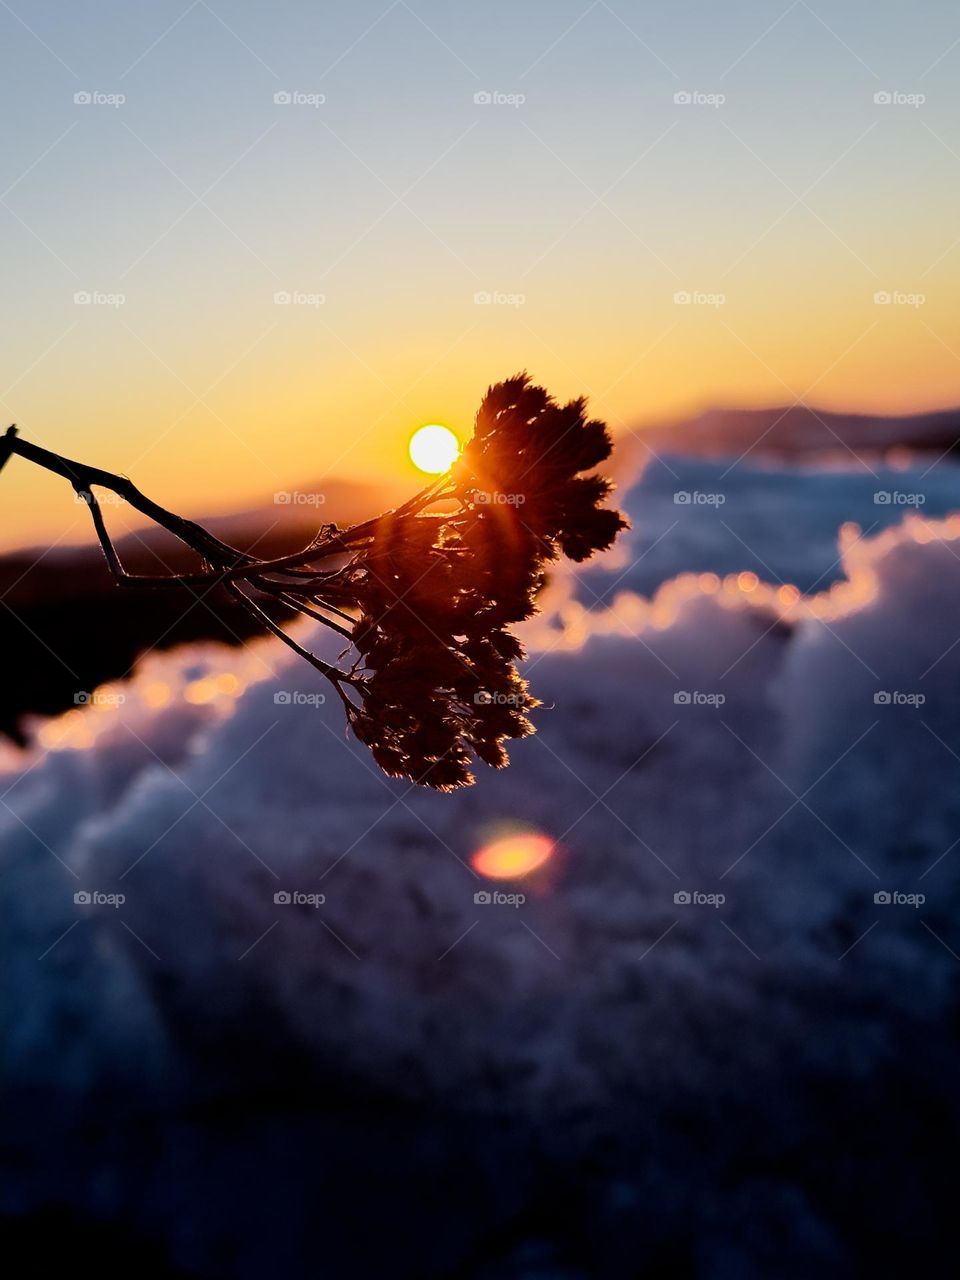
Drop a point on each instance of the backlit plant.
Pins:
(425, 595)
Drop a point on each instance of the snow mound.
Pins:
(701, 980)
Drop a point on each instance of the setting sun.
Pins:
(434, 449)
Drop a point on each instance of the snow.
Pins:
(741, 1089)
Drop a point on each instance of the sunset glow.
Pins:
(314, 344)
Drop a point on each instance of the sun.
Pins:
(434, 449)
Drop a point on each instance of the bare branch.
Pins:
(424, 593)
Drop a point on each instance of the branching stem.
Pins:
(305, 591)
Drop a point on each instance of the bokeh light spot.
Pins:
(512, 856)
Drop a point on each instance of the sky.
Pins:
(445, 193)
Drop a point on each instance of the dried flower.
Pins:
(437, 593)
(424, 594)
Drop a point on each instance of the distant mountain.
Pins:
(802, 434)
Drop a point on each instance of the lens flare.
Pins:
(512, 856)
(434, 449)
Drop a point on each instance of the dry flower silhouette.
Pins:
(423, 596)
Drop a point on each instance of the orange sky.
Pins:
(387, 209)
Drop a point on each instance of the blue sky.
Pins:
(589, 192)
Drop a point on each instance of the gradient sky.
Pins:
(398, 199)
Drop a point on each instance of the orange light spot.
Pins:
(748, 580)
(156, 694)
(201, 691)
(512, 856)
(788, 594)
(68, 731)
(709, 583)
